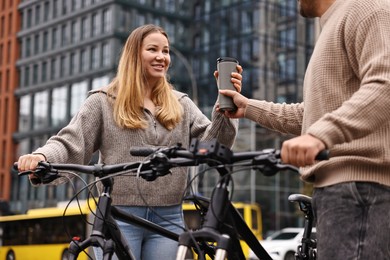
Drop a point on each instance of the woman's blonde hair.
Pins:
(129, 87)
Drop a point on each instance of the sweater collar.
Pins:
(331, 10)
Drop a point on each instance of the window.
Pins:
(46, 11)
(107, 20)
(24, 113)
(64, 35)
(36, 44)
(58, 106)
(40, 117)
(245, 50)
(75, 5)
(35, 74)
(28, 47)
(73, 65)
(106, 55)
(100, 82)
(9, 52)
(287, 67)
(288, 8)
(44, 71)
(55, 9)
(27, 76)
(95, 57)
(45, 44)
(63, 67)
(74, 32)
(10, 24)
(170, 6)
(64, 6)
(2, 24)
(29, 18)
(84, 61)
(53, 69)
(95, 24)
(246, 21)
(37, 14)
(84, 28)
(54, 41)
(78, 95)
(7, 79)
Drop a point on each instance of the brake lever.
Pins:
(155, 167)
(283, 167)
(44, 173)
(270, 163)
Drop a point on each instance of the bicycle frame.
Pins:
(106, 233)
(223, 225)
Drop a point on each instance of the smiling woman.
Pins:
(139, 108)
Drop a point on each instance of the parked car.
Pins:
(283, 244)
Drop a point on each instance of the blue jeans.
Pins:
(353, 221)
(145, 244)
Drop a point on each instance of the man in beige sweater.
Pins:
(346, 109)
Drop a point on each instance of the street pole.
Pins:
(188, 67)
(194, 169)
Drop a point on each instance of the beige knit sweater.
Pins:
(93, 129)
(346, 101)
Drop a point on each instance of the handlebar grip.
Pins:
(142, 151)
(323, 155)
(16, 170)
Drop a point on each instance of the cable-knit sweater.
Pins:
(346, 95)
(93, 129)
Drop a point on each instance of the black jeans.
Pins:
(353, 221)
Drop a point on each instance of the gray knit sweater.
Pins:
(346, 95)
(93, 129)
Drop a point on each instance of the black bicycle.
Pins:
(223, 227)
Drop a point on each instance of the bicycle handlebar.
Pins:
(163, 159)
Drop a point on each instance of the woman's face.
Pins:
(155, 57)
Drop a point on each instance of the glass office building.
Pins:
(69, 47)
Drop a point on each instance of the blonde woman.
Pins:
(139, 108)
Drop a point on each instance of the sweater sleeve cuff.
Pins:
(254, 108)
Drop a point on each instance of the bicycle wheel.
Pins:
(65, 255)
(10, 255)
(289, 256)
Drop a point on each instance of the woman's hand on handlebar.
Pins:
(302, 150)
(29, 162)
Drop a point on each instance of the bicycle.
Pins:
(223, 225)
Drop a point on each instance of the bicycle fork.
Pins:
(209, 232)
(103, 235)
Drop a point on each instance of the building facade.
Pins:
(9, 53)
(70, 47)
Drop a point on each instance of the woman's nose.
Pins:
(160, 56)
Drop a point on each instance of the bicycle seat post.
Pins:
(306, 249)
